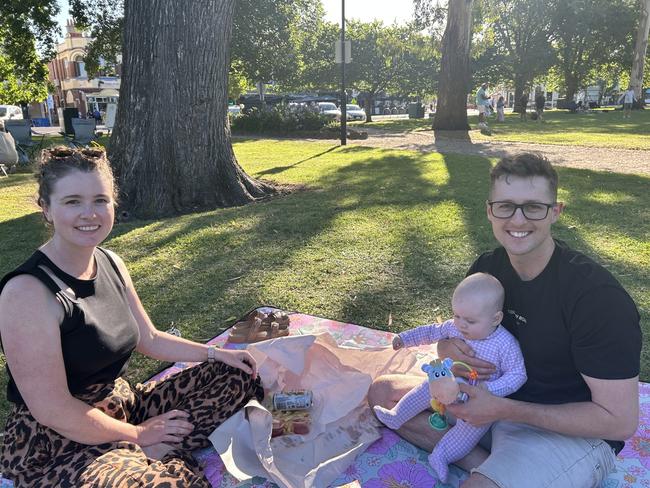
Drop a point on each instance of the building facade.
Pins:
(72, 86)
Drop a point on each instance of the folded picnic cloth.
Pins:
(342, 424)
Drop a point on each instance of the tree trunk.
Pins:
(636, 76)
(451, 113)
(520, 85)
(370, 101)
(171, 148)
(571, 83)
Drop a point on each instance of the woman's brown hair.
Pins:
(58, 161)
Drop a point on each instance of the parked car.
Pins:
(9, 112)
(329, 110)
(234, 109)
(354, 112)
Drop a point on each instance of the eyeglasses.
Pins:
(532, 210)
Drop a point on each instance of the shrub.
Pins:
(281, 119)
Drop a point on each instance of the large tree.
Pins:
(380, 56)
(454, 76)
(317, 68)
(28, 32)
(264, 43)
(171, 147)
(586, 36)
(640, 48)
(522, 36)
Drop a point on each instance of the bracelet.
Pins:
(212, 350)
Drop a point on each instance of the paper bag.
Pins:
(343, 425)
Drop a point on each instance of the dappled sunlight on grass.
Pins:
(600, 128)
(608, 197)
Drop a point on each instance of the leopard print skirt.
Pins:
(36, 456)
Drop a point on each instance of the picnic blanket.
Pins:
(391, 461)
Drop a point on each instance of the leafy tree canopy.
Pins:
(28, 35)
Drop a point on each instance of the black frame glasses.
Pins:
(530, 210)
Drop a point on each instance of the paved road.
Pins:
(56, 130)
(597, 158)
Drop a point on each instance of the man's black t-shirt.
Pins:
(572, 319)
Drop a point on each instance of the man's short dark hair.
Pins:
(526, 165)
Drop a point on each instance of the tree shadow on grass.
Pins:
(241, 257)
(280, 169)
(372, 239)
(436, 245)
(20, 237)
(14, 180)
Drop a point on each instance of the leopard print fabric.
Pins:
(36, 456)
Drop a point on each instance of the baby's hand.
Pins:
(398, 343)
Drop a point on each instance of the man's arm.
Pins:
(613, 412)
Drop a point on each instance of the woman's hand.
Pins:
(238, 359)
(170, 427)
(398, 343)
(459, 350)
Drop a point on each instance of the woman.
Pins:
(69, 320)
(501, 104)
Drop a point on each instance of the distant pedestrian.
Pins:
(523, 101)
(628, 100)
(501, 104)
(482, 103)
(540, 101)
(98, 116)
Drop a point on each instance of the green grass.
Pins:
(601, 128)
(378, 232)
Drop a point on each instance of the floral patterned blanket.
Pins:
(393, 462)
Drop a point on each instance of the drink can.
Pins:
(293, 400)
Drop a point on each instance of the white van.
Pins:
(9, 112)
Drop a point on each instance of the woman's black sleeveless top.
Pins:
(98, 332)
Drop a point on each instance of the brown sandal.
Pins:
(259, 326)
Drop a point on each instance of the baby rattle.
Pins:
(444, 389)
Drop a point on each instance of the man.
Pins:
(628, 100)
(523, 101)
(579, 333)
(540, 102)
(482, 102)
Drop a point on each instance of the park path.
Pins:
(594, 158)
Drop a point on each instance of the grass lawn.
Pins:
(379, 232)
(602, 129)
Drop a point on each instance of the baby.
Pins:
(477, 304)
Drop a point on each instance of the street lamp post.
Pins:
(344, 128)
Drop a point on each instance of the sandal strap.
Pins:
(254, 328)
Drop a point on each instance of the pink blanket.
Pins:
(391, 461)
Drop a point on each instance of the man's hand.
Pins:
(398, 343)
(459, 350)
(481, 407)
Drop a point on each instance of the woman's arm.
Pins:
(167, 347)
(30, 318)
